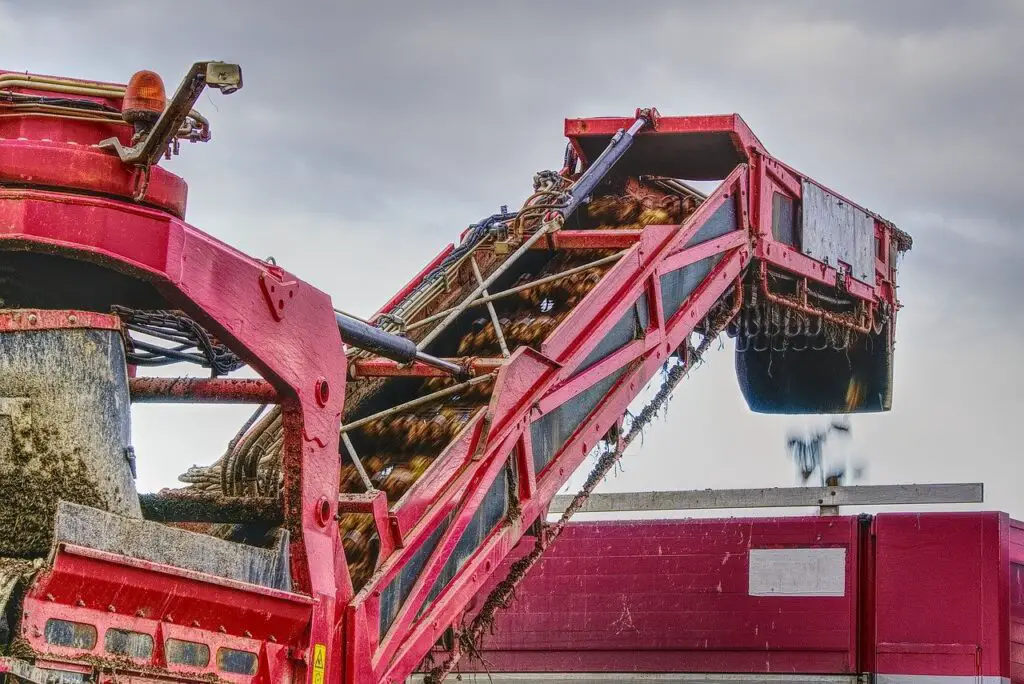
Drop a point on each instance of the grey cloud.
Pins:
(895, 99)
(369, 134)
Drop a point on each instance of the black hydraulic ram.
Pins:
(366, 336)
(401, 349)
(595, 173)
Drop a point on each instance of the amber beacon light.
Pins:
(144, 98)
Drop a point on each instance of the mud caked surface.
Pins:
(31, 484)
(64, 429)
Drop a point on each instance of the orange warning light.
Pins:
(144, 98)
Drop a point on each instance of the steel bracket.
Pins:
(277, 292)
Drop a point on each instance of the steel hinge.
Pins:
(277, 292)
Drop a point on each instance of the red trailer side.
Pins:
(942, 596)
(1017, 600)
(905, 597)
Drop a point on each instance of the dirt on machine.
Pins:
(391, 462)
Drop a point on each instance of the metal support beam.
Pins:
(385, 368)
(595, 238)
(522, 288)
(202, 390)
(490, 310)
(420, 401)
(777, 497)
(468, 300)
(350, 448)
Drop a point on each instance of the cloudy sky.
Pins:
(368, 135)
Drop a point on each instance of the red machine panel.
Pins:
(905, 597)
(941, 594)
(1017, 600)
(682, 594)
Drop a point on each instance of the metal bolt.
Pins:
(322, 392)
(32, 319)
(72, 319)
(323, 511)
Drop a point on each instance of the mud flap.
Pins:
(15, 574)
(157, 543)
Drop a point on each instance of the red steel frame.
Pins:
(220, 287)
(296, 348)
(534, 383)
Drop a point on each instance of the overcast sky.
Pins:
(368, 135)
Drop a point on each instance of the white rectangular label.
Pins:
(797, 572)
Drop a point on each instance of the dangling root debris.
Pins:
(469, 638)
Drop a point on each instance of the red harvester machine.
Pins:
(392, 463)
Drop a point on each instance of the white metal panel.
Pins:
(797, 572)
(834, 230)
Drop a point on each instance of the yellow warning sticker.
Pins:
(319, 663)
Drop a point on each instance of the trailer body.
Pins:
(898, 597)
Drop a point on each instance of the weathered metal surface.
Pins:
(900, 597)
(380, 368)
(707, 499)
(179, 506)
(50, 319)
(673, 597)
(834, 231)
(201, 390)
(642, 677)
(64, 431)
(151, 541)
(219, 287)
(108, 591)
